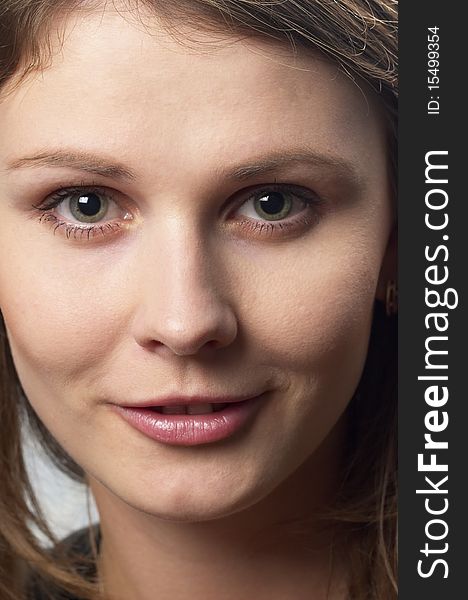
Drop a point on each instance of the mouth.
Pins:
(189, 405)
(191, 409)
(195, 421)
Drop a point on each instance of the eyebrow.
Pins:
(281, 160)
(82, 161)
(261, 165)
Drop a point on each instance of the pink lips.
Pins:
(189, 429)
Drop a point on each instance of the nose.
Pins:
(182, 307)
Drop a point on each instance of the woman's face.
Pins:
(226, 239)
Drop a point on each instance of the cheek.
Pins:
(67, 311)
(60, 317)
(313, 328)
(309, 311)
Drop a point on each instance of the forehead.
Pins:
(115, 81)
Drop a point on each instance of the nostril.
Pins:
(185, 329)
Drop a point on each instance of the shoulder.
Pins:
(77, 548)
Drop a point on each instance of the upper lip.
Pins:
(192, 399)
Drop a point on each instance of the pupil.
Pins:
(273, 203)
(89, 205)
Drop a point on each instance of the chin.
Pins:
(191, 511)
(176, 502)
(191, 514)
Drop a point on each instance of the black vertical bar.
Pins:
(433, 271)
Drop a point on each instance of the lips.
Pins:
(189, 421)
(190, 409)
(191, 405)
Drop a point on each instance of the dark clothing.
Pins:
(78, 547)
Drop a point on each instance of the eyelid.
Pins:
(61, 194)
(287, 226)
(281, 229)
(59, 197)
(308, 196)
(77, 229)
(276, 186)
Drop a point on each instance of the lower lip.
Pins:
(191, 430)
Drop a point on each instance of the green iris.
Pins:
(88, 208)
(273, 206)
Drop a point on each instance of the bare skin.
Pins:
(190, 290)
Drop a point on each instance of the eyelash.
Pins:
(72, 229)
(308, 216)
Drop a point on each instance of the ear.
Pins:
(389, 268)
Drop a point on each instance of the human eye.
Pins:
(278, 209)
(84, 212)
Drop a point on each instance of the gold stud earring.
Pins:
(391, 302)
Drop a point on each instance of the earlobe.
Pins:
(389, 268)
